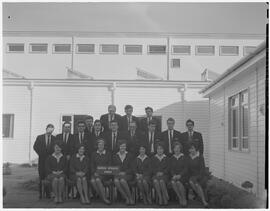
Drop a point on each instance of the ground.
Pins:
(20, 197)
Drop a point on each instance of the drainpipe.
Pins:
(257, 129)
(168, 58)
(182, 90)
(112, 88)
(31, 88)
(72, 53)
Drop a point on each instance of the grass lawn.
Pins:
(20, 197)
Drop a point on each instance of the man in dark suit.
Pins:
(89, 128)
(134, 138)
(191, 136)
(113, 136)
(170, 136)
(128, 118)
(66, 138)
(96, 134)
(107, 118)
(81, 138)
(44, 146)
(149, 117)
(151, 138)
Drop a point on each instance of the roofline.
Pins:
(105, 83)
(238, 64)
(7, 33)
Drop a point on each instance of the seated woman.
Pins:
(79, 167)
(178, 171)
(56, 166)
(142, 170)
(100, 158)
(123, 159)
(160, 164)
(196, 170)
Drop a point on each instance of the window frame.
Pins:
(245, 47)
(38, 52)
(8, 51)
(12, 126)
(240, 122)
(158, 53)
(230, 54)
(205, 54)
(77, 48)
(62, 52)
(111, 53)
(173, 53)
(174, 66)
(132, 53)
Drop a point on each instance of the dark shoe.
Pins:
(106, 201)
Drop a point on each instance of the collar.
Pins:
(118, 153)
(78, 156)
(190, 131)
(142, 158)
(179, 156)
(196, 155)
(102, 153)
(160, 157)
(57, 157)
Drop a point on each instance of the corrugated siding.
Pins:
(16, 100)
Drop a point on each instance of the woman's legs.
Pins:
(176, 190)
(101, 190)
(141, 188)
(182, 192)
(146, 189)
(80, 189)
(122, 192)
(164, 191)
(61, 182)
(125, 187)
(158, 190)
(94, 184)
(198, 189)
(55, 189)
(85, 189)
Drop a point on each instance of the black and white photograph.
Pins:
(147, 105)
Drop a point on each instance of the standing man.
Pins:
(110, 116)
(149, 117)
(191, 136)
(43, 146)
(134, 138)
(170, 136)
(151, 138)
(96, 134)
(128, 118)
(112, 136)
(89, 124)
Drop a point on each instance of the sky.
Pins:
(174, 17)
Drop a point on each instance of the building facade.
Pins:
(237, 138)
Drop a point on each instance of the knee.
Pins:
(84, 179)
(79, 179)
(173, 182)
(93, 181)
(116, 181)
(122, 180)
(98, 180)
(155, 181)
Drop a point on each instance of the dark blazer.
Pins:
(43, 152)
(197, 137)
(178, 166)
(165, 138)
(93, 140)
(142, 167)
(85, 142)
(53, 165)
(100, 160)
(108, 139)
(105, 121)
(67, 147)
(144, 124)
(76, 165)
(145, 141)
(126, 165)
(124, 122)
(159, 166)
(133, 142)
(90, 131)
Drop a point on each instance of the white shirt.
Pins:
(58, 157)
(101, 153)
(194, 156)
(122, 156)
(81, 135)
(142, 158)
(160, 157)
(80, 156)
(170, 141)
(179, 156)
(153, 137)
(97, 133)
(65, 135)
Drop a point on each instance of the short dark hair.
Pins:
(79, 146)
(97, 120)
(49, 125)
(193, 144)
(148, 108)
(58, 143)
(176, 143)
(144, 145)
(170, 119)
(113, 121)
(81, 122)
(128, 107)
(100, 139)
(121, 141)
(190, 121)
(89, 117)
(66, 123)
(160, 144)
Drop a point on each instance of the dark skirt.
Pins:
(51, 176)
(127, 177)
(103, 178)
(183, 180)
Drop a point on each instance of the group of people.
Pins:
(143, 154)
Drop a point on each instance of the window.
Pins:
(228, 50)
(181, 49)
(109, 49)
(8, 125)
(248, 50)
(175, 63)
(133, 49)
(205, 50)
(38, 48)
(73, 119)
(157, 49)
(238, 121)
(15, 48)
(62, 48)
(86, 48)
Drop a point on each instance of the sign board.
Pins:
(108, 170)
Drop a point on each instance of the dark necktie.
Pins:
(49, 141)
(190, 136)
(170, 141)
(81, 138)
(114, 140)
